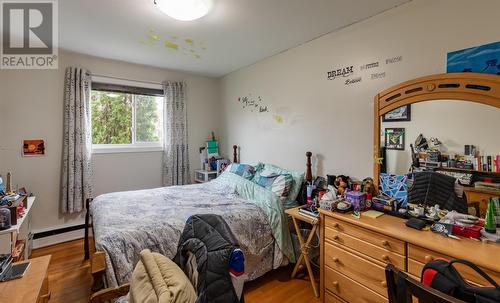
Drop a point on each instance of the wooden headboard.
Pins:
(308, 177)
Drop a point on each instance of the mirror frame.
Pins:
(473, 87)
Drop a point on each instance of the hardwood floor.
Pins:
(69, 279)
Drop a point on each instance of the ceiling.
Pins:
(236, 33)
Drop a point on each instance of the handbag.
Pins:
(442, 275)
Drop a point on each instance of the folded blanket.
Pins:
(157, 279)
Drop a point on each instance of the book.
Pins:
(372, 214)
(309, 211)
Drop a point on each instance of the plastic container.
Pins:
(357, 199)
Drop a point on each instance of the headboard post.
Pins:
(308, 170)
(235, 153)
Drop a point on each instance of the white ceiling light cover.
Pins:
(185, 10)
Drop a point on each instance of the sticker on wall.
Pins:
(353, 81)
(393, 60)
(375, 76)
(185, 46)
(253, 104)
(369, 66)
(480, 59)
(346, 71)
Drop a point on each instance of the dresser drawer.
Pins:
(376, 252)
(362, 270)
(329, 298)
(348, 289)
(418, 257)
(385, 242)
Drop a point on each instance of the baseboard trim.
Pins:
(58, 231)
(57, 236)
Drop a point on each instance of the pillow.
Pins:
(395, 186)
(244, 170)
(280, 184)
(297, 177)
(156, 278)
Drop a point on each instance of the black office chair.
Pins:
(401, 289)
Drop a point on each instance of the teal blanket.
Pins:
(270, 205)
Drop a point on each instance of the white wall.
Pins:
(454, 123)
(31, 107)
(333, 120)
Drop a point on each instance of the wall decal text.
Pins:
(340, 72)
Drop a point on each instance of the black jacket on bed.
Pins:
(210, 240)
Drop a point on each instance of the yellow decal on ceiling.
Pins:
(172, 45)
(186, 46)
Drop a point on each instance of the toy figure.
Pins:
(341, 184)
(369, 188)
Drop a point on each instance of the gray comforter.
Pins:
(125, 223)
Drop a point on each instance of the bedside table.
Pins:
(202, 176)
(304, 245)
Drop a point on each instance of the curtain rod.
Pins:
(118, 78)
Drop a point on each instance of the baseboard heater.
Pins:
(58, 231)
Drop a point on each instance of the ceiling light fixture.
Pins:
(185, 10)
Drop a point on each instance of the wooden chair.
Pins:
(412, 289)
(109, 294)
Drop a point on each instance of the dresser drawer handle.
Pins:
(336, 237)
(385, 243)
(335, 259)
(335, 225)
(385, 258)
(384, 284)
(429, 258)
(335, 284)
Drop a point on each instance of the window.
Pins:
(126, 118)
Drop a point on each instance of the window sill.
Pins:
(118, 149)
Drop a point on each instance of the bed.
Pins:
(125, 223)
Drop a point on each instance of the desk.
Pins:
(304, 245)
(480, 196)
(33, 287)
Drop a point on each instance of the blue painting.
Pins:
(480, 59)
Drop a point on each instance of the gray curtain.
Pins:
(175, 143)
(77, 149)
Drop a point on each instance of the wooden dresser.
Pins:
(354, 253)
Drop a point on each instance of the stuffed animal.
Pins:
(369, 188)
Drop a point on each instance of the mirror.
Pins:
(457, 115)
(454, 123)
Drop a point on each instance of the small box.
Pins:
(357, 199)
(202, 176)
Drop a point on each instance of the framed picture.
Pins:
(395, 138)
(402, 113)
(32, 148)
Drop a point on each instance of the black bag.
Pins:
(443, 276)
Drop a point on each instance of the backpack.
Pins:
(442, 275)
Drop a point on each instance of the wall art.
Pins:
(394, 60)
(395, 138)
(340, 72)
(353, 81)
(402, 113)
(254, 104)
(32, 148)
(479, 59)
